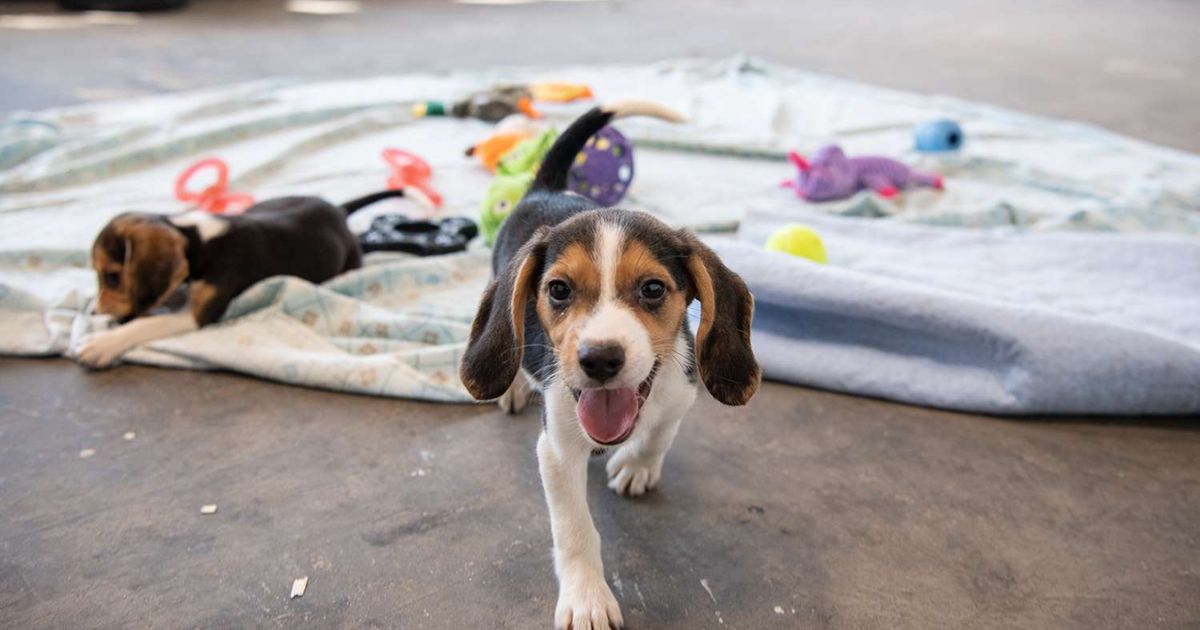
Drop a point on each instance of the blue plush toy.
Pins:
(938, 136)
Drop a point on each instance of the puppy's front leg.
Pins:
(101, 349)
(584, 599)
(637, 466)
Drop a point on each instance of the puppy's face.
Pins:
(610, 289)
(139, 261)
(611, 306)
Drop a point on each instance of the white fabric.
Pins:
(65, 172)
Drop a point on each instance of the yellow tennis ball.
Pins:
(798, 240)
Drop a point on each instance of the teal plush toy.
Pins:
(514, 175)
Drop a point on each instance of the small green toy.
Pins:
(514, 175)
(798, 240)
(527, 155)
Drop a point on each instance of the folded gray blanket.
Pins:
(987, 321)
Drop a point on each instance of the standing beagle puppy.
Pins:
(590, 306)
(141, 259)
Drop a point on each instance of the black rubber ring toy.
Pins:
(398, 233)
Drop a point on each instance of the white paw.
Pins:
(586, 603)
(517, 397)
(632, 475)
(101, 349)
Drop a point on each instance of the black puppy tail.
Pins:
(552, 175)
(362, 202)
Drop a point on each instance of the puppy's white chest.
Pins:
(206, 224)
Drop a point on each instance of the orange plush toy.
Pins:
(508, 133)
(560, 92)
(496, 146)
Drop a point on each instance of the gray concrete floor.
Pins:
(844, 512)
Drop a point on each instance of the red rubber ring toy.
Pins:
(215, 198)
(410, 171)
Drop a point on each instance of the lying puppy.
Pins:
(591, 304)
(141, 259)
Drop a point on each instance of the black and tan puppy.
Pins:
(590, 304)
(142, 259)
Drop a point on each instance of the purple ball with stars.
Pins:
(603, 170)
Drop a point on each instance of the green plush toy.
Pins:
(502, 196)
(514, 175)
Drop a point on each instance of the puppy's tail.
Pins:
(362, 202)
(552, 175)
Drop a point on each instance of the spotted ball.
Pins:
(603, 170)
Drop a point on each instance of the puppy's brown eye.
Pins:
(559, 291)
(653, 290)
(112, 279)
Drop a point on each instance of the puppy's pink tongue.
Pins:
(607, 414)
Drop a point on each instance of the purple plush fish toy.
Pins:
(831, 175)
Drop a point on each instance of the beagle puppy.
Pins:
(589, 305)
(141, 259)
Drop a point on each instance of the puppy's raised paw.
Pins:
(101, 350)
(632, 475)
(586, 603)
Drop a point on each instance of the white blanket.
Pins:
(65, 172)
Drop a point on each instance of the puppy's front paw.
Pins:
(632, 475)
(586, 603)
(100, 350)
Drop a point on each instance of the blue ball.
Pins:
(939, 135)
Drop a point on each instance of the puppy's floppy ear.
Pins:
(724, 356)
(497, 341)
(155, 263)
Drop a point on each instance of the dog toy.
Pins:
(496, 146)
(411, 174)
(490, 105)
(831, 175)
(560, 92)
(798, 240)
(603, 170)
(397, 233)
(527, 155)
(216, 198)
(938, 136)
(505, 137)
(502, 196)
(514, 174)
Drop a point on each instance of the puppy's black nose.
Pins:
(602, 361)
